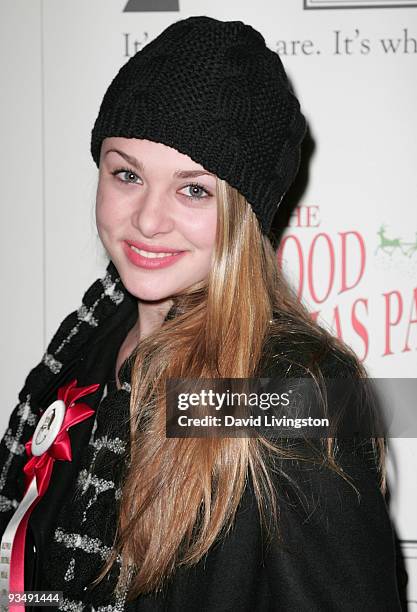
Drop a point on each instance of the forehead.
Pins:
(149, 152)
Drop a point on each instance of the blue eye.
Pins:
(127, 172)
(198, 188)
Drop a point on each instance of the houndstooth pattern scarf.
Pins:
(85, 527)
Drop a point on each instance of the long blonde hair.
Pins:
(180, 495)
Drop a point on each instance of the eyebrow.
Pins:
(139, 166)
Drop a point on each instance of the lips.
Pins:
(151, 254)
(152, 248)
(151, 260)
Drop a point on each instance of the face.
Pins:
(156, 215)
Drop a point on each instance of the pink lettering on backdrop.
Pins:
(391, 320)
(324, 266)
(311, 274)
(411, 320)
(344, 259)
(358, 327)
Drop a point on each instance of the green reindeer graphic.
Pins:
(390, 243)
(412, 245)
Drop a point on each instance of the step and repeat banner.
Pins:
(349, 247)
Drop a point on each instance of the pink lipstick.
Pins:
(151, 262)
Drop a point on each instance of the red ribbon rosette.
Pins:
(50, 441)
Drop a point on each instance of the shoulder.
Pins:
(326, 381)
(297, 348)
(334, 523)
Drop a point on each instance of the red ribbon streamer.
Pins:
(40, 467)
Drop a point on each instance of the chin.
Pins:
(145, 291)
(149, 296)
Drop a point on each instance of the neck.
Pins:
(151, 315)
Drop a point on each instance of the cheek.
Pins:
(201, 231)
(108, 212)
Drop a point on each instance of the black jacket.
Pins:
(338, 552)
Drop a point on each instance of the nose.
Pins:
(152, 214)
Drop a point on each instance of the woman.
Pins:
(197, 141)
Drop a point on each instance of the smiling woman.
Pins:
(152, 221)
(114, 513)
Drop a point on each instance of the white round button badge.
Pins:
(48, 427)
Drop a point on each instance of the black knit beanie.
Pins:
(214, 91)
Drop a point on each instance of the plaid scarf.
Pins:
(81, 525)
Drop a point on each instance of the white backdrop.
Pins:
(353, 67)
